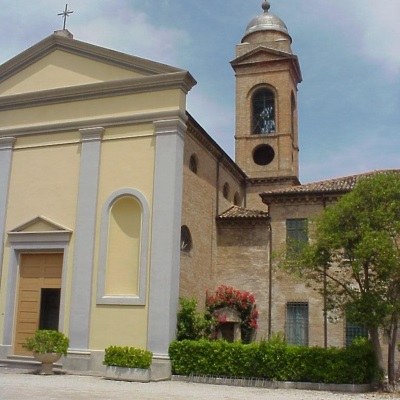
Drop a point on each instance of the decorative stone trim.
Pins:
(91, 134)
(57, 241)
(7, 143)
(139, 299)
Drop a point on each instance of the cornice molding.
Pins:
(301, 198)
(60, 127)
(274, 180)
(92, 134)
(171, 126)
(177, 80)
(242, 221)
(7, 143)
(73, 46)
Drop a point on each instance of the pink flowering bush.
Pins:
(241, 301)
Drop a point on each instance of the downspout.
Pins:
(270, 280)
(217, 188)
(245, 193)
(325, 297)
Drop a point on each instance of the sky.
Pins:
(349, 53)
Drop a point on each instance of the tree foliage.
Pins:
(354, 257)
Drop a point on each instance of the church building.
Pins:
(115, 202)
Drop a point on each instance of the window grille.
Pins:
(297, 323)
(353, 331)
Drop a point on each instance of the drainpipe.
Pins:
(217, 188)
(325, 297)
(270, 280)
(245, 193)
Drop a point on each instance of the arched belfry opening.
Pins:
(263, 111)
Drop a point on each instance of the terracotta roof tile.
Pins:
(236, 212)
(336, 185)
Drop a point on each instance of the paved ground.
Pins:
(21, 386)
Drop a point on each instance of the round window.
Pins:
(263, 155)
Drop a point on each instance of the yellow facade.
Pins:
(83, 130)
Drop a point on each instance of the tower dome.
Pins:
(266, 22)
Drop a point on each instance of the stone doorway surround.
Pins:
(38, 235)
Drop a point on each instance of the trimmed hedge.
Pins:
(128, 357)
(275, 360)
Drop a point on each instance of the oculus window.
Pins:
(263, 155)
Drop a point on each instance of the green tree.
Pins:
(354, 259)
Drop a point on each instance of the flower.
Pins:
(241, 301)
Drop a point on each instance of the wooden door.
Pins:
(38, 272)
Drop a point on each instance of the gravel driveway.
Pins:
(20, 386)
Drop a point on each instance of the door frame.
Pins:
(31, 242)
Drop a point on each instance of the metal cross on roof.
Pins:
(65, 14)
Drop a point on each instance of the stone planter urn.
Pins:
(47, 360)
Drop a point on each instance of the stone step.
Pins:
(23, 362)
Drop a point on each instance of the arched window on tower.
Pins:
(263, 111)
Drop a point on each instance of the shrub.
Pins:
(191, 324)
(128, 357)
(275, 360)
(47, 341)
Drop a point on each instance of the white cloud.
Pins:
(121, 25)
(371, 28)
(374, 151)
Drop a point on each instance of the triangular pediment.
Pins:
(39, 224)
(262, 54)
(61, 62)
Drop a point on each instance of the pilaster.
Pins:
(165, 256)
(6, 150)
(85, 229)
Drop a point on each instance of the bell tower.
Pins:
(267, 74)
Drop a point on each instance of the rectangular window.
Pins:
(296, 235)
(297, 323)
(353, 331)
